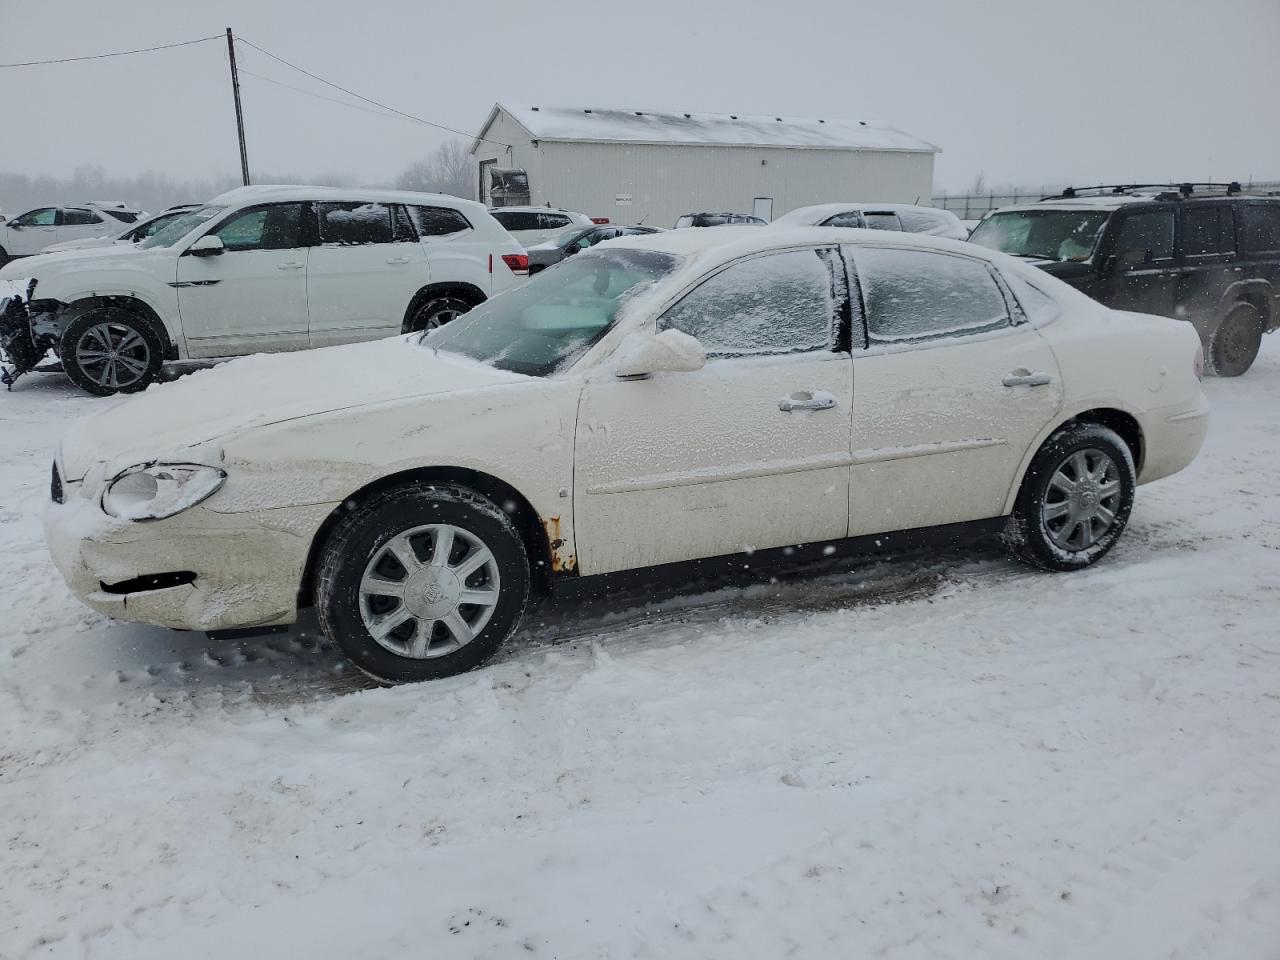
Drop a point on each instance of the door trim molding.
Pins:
(885, 454)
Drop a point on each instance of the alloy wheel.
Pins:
(113, 355)
(1081, 500)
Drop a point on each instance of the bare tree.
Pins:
(448, 170)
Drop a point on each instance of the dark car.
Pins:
(574, 239)
(716, 219)
(1209, 256)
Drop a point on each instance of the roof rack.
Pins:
(1166, 191)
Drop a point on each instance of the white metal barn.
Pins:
(634, 165)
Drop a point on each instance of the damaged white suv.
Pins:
(257, 269)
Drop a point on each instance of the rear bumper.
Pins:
(1173, 438)
(241, 570)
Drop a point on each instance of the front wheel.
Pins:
(110, 351)
(1075, 499)
(1235, 343)
(422, 582)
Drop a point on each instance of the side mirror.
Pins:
(668, 352)
(209, 245)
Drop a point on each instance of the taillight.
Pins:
(1198, 364)
(518, 262)
(599, 219)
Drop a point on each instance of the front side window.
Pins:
(1042, 234)
(544, 325)
(277, 226)
(1148, 233)
(914, 295)
(124, 216)
(152, 227)
(44, 217)
(776, 303)
(1260, 227)
(1207, 231)
(351, 223)
(79, 217)
(173, 231)
(438, 221)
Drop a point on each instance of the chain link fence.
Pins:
(974, 206)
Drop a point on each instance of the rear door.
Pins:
(1259, 242)
(253, 296)
(77, 223)
(1207, 249)
(363, 272)
(1139, 262)
(953, 388)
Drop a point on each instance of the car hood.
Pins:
(218, 404)
(84, 243)
(41, 263)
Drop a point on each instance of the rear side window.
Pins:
(516, 219)
(352, 223)
(850, 218)
(1207, 231)
(1260, 228)
(78, 217)
(438, 221)
(552, 221)
(1148, 232)
(914, 295)
(778, 303)
(882, 221)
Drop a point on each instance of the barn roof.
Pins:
(704, 129)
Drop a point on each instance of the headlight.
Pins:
(153, 491)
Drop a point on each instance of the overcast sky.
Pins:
(1023, 91)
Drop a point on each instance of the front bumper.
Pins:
(247, 567)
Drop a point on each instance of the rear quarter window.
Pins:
(1260, 228)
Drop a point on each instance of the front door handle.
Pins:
(291, 265)
(807, 400)
(398, 259)
(1025, 378)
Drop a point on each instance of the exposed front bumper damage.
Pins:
(199, 570)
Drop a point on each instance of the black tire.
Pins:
(436, 312)
(1073, 543)
(4, 256)
(364, 537)
(139, 347)
(1234, 344)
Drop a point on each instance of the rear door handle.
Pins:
(291, 265)
(807, 400)
(1025, 378)
(398, 259)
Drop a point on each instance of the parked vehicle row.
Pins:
(140, 230)
(652, 400)
(257, 269)
(29, 233)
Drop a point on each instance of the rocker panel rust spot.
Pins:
(562, 560)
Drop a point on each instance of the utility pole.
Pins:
(235, 91)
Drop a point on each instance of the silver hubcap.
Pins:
(1081, 502)
(440, 318)
(113, 355)
(429, 591)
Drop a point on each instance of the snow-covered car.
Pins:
(135, 233)
(258, 269)
(904, 217)
(717, 220)
(29, 233)
(576, 239)
(534, 225)
(653, 400)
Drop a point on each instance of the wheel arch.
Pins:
(1124, 423)
(533, 531)
(135, 305)
(469, 292)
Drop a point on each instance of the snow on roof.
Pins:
(705, 129)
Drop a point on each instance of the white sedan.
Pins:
(652, 401)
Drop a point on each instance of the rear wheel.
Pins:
(1235, 343)
(438, 311)
(422, 582)
(1075, 499)
(110, 351)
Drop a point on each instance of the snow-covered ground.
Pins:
(948, 758)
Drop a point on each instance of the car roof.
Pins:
(533, 209)
(821, 211)
(267, 193)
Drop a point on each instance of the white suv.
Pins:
(534, 225)
(29, 233)
(257, 269)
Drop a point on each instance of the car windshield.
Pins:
(548, 322)
(172, 232)
(1043, 234)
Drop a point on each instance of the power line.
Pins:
(352, 93)
(118, 53)
(321, 96)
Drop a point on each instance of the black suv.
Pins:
(1210, 255)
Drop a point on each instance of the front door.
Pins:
(952, 390)
(252, 297)
(32, 232)
(1139, 263)
(364, 272)
(750, 452)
